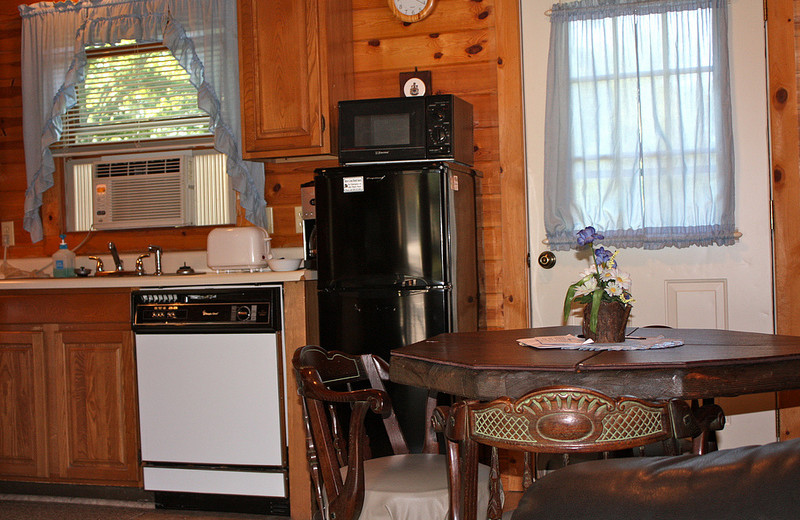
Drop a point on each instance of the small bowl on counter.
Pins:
(284, 264)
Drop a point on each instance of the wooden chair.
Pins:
(549, 420)
(339, 391)
(709, 418)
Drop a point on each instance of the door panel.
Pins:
(744, 269)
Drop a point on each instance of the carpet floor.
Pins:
(42, 508)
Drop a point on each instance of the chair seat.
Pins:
(750, 483)
(412, 487)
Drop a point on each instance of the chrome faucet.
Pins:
(99, 267)
(140, 264)
(115, 255)
(157, 251)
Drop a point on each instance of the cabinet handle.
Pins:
(323, 124)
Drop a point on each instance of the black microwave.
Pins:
(405, 129)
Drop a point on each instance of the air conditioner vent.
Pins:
(151, 192)
(148, 167)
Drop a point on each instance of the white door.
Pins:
(696, 287)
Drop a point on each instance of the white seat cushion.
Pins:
(413, 487)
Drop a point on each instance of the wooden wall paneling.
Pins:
(468, 79)
(374, 18)
(783, 40)
(427, 51)
(512, 164)
(487, 144)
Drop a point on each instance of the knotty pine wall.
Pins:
(472, 49)
(460, 44)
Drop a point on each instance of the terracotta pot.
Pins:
(611, 322)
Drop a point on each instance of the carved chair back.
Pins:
(550, 420)
(338, 390)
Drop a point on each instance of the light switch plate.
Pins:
(298, 219)
(8, 233)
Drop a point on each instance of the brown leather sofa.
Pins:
(749, 483)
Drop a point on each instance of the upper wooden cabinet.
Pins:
(295, 65)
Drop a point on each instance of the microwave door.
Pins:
(382, 130)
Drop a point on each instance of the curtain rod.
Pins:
(736, 235)
(549, 11)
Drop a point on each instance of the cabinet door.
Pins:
(23, 423)
(94, 406)
(295, 65)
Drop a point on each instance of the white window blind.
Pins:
(132, 93)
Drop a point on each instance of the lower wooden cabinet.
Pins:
(93, 406)
(23, 414)
(69, 400)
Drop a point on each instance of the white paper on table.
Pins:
(571, 342)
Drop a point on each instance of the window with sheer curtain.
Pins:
(57, 43)
(638, 138)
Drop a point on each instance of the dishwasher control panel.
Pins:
(207, 308)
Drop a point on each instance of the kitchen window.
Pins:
(58, 41)
(638, 134)
(135, 98)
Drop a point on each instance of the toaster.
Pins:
(238, 248)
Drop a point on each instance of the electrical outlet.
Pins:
(270, 222)
(8, 233)
(298, 219)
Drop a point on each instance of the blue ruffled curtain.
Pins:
(201, 34)
(638, 132)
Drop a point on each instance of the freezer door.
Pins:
(381, 225)
(377, 321)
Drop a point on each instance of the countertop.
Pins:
(171, 262)
(170, 280)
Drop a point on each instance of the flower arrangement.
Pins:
(599, 283)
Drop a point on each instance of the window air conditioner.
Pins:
(143, 192)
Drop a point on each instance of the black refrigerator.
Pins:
(397, 261)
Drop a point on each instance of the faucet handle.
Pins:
(117, 262)
(157, 250)
(140, 264)
(99, 267)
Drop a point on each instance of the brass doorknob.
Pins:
(547, 260)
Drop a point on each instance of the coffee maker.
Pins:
(309, 205)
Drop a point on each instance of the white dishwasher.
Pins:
(211, 409)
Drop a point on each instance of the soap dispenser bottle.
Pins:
(63, 260)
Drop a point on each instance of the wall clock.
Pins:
(411, 10)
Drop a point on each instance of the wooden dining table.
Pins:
(711, 363)
(485, 365)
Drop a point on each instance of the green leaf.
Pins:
(597, 297)
(568, 300)
(571, 295)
